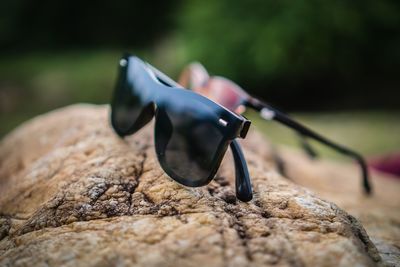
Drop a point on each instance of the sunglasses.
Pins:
(233, 97)
(191, 134)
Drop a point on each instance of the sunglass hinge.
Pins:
(245, 128)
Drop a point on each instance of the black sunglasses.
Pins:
(192, 133)
(233, 97)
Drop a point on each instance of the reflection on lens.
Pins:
(127, 103)
(188, 142)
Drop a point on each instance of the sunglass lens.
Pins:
(129, 110)
(189, 143)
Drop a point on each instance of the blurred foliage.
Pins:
(34, 83)
(47, 24)
(301, 54)
(307, 55)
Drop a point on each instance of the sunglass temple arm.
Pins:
(308, 149)
(271, 113)
(244, 190)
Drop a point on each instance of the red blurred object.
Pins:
(219, 89)
(388, 164)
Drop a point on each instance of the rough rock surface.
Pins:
(379, 214)
(73, 194)
(341, 184)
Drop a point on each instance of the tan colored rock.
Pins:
(73, 194)
(339, 183)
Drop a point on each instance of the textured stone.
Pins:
(339, 183)
(74, 194)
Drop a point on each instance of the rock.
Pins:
(339, 183)
(74, 194)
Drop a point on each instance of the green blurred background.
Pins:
(333, 64)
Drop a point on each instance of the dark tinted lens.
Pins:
(128, 104)
(189, 143)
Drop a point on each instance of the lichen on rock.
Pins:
(73, 193)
